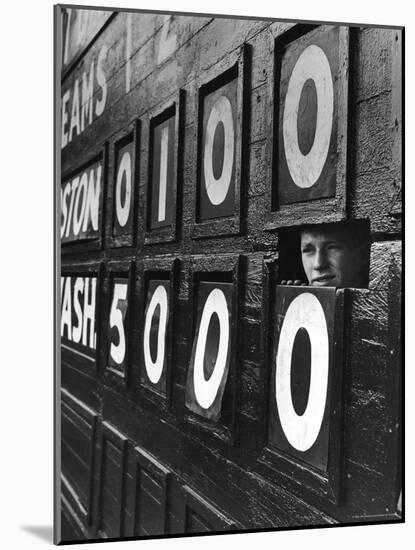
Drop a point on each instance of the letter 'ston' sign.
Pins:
(302, 373)
(81, 205)
(308, 113)
(209, 364)
(218, 153)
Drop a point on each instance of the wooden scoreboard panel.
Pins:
(155, 336)
(308, 107)
(198, 394)
(164, 177)
(211, 351)
(117, 354)
(302, 372)
(217, 183)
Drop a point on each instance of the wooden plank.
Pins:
(79, 28)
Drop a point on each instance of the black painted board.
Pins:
(212, 348)
(118, 330)
(163, 177)
(155, 336)
(151, 498)
(304, 325)
(218, 154)
(308, 117)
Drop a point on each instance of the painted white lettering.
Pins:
(312, 64)
(66, 315)
(206, 390)
(64, 207)
(128, 54)
(92, 201)
(124, 175)
(67, 31)
(64, 135)
(82, 190)
(75, 113)
(89, 313)
(163, 173)
(74, 186)
(77, 329)
(217, 189)
(168, 41)
(87, 97)
(305, 311)
(155, 368)
(102, 81)
(117, 351)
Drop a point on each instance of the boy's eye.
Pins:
(307, 250)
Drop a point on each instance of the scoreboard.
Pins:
(198, 392)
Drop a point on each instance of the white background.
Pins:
(27, 273)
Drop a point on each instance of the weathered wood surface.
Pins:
(146, 60)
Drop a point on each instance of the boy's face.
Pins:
(328, 258)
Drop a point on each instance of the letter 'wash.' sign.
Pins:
(81, 205)
(78, 305)
(308, 112)
(209, 363)
(302, 366)
(219, 139)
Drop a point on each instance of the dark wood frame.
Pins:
(168, 233)
(236, 65)
(299, 478)
(124, 270)
(319, 210)
(167, 269)
(90, 417)
(205, 509)
(89, 270)
(143, 459)
(75, 247)
(129, 134)
(108, 432)
(227, 268)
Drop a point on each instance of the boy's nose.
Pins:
(320, 259)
